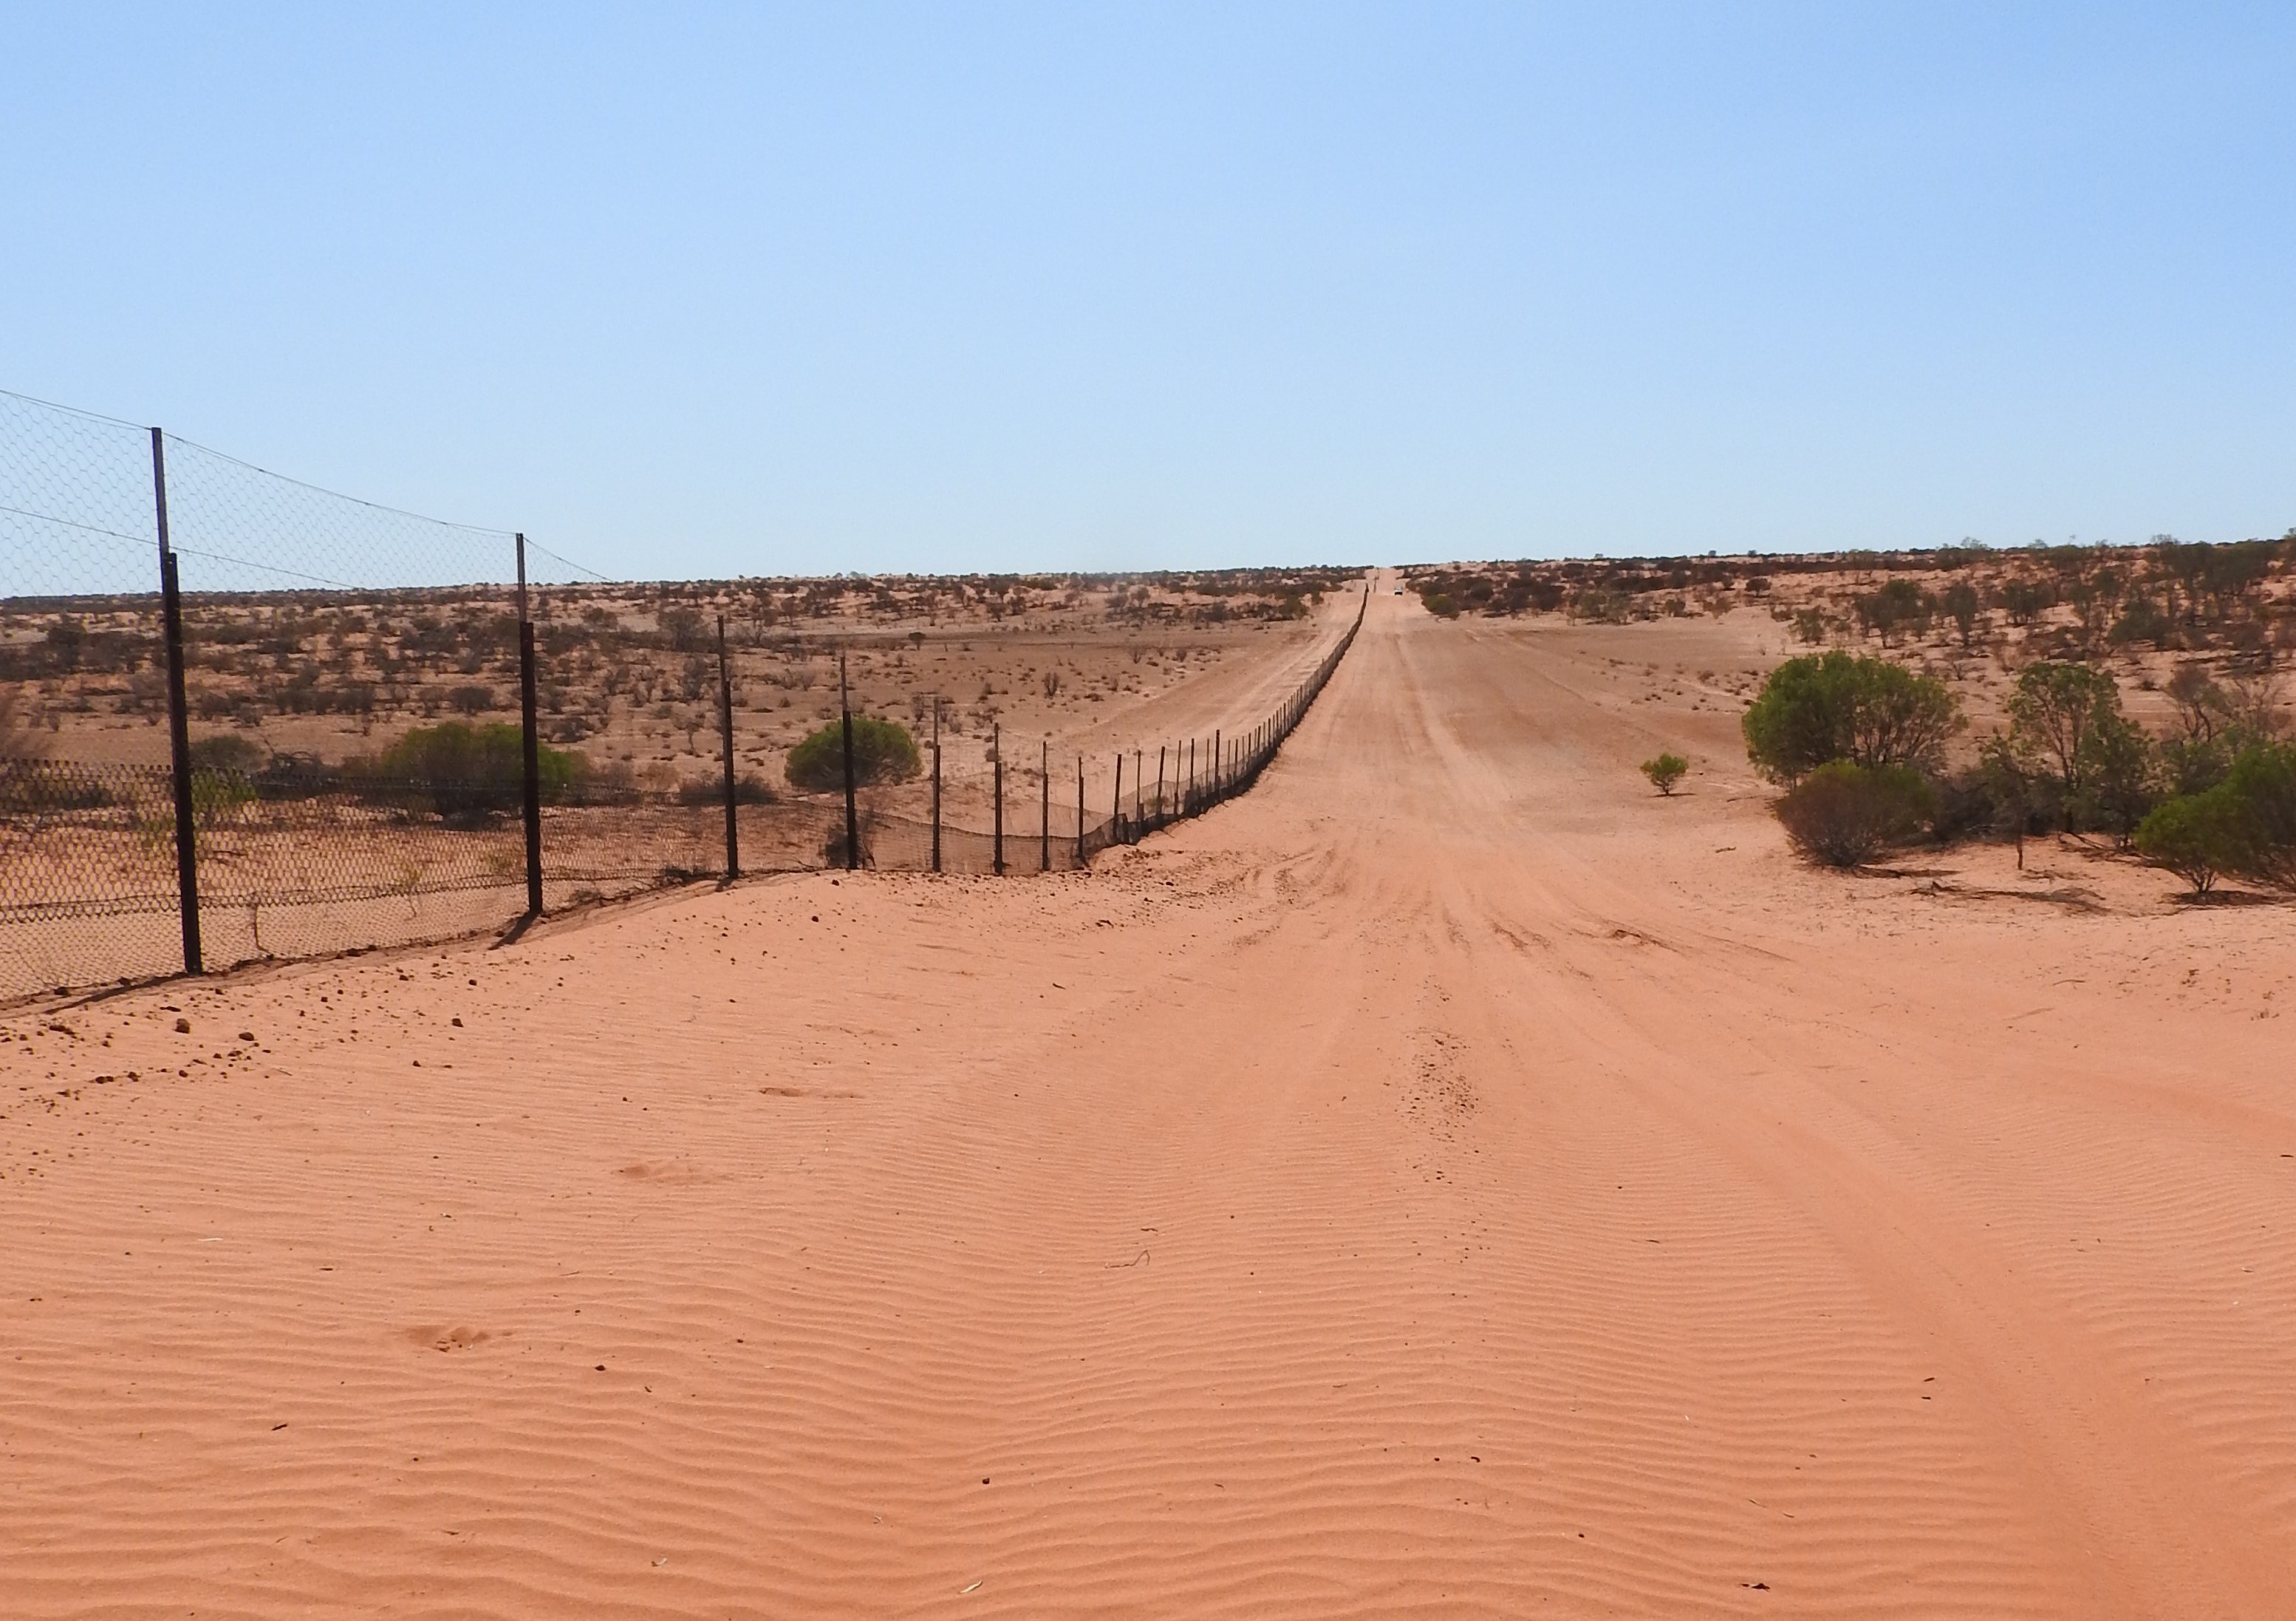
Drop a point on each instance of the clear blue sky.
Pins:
(689, 290)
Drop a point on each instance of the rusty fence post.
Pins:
(179, 719)
(725, 733)
(852, 814)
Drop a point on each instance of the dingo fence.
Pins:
(244, 718)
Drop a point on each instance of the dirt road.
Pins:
(1450, 1181)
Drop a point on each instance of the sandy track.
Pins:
(1446, 1182)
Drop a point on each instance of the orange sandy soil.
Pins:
(1450, 1180)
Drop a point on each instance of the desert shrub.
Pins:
(1665, 772)
(2262, 782)
(19, 739)
(1968, 807)
(2192, 765)
(748, 789)
(228, 751)
(216, 796)
(833, 847)
(1962, 603)
(2197, 837)
(2067, 716)
(883, 752)
(1844, 814)
(2025, 600)
(1898, 607)
(2142, 620)
(1830, 706)
(2118, 772)
(46, 787)
(463, 771)
(2245, 826)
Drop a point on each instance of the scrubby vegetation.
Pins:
(1665, 772)
(2061, 601)
(1844, 814)
(1830, 706)
(883, 752)
(463, 771)
(1860, 745)
(2243, 826)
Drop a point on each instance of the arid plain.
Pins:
(1450, 1180)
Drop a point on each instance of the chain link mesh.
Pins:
(352, 694)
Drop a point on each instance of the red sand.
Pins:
(1450, 1181)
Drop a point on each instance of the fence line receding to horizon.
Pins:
(241, 717)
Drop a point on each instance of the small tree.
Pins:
(2197, 837)
(1961, 602)
(1899, 606)
(1844, 814)
(2118, 775)
(2263, 782)
(2053, 713)
(1834, 706)
(2244, 827)
(883, 752)
(1665, 772)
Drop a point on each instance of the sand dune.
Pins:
(1450, 1180)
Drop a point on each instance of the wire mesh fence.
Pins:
(241, 717)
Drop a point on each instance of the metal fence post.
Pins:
(936, 785)
(1214, 762)
(852, 814)
(1080, 810)
(1044, 830)
(1116, 807)
(726, 729)
(996, 774)
(530, 744)
(179, 719)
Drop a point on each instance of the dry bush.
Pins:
(1843, 814)
(19, 739)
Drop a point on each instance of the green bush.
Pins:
(218, 795)
(2263, 783)
(2119, 773)
(1665, 772)
(883, 752)
(2054, 716)
(1962, 603)
(1898, 607)
(2244, 827)
(1844, 814)
(1830, 706)
(2197, 837)
(463, 771)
